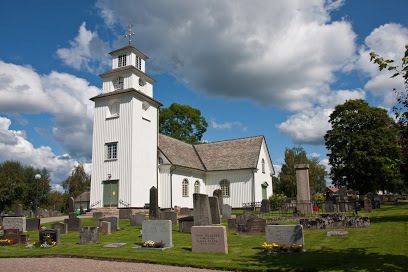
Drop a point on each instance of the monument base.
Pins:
(152, 248)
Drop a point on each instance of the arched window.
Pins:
(185, 187)
(197, 187)
(263, 166)
(225, 187)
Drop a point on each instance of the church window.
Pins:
(160, 160)
(185, 187)
(122, 60)
(111, 151)
(225, 187)
(197, 187)
(138, 63)
(263, 166)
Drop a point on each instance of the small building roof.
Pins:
(84, 197)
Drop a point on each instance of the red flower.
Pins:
(316, 208)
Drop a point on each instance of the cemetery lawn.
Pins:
(382, 247)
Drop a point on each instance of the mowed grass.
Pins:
(382, 247)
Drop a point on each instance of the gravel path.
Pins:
(60, 218)
(84, 265)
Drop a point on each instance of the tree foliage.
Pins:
(182, 122)
(364, 153)
(78, 182)
(286, 183)
(401, 109)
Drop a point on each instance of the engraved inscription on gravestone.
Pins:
(209, 239)
(285, 234)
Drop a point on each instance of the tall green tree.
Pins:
(12, 184)
(364, 151)
(30, 192)
(286, 183)
(78, 182)
(182, 122)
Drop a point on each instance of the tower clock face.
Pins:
(118, 83)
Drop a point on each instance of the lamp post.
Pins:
(37, 177)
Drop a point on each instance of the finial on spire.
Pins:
(130, 33)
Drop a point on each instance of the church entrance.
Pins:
(110, 193)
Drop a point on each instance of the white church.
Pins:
(129, 156)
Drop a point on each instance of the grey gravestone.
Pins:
(154, 205)
(368, 208)
(241, 223)
(32, 224)
(328, 206)
(15, 234)
(125, 213)
(185, 223)
(215, 210)
(169, 215)
(157, 231)
(184, 210)
(256, 226)
(19, 211)
(97, 215)
(265, 206)
(137, 219)
(226, 211)
(232, 224)
(74, 223)
(209, 239)
(15, 223)
(337, 233)
(62, 227)
(371, 196)
(71, 205)
(104, 227)
(47, 235)
(202, 212)
(304, 205)
(218, 193)
(114, 222)
(285, 234)
(28, 214)
(88, 235)
(115, 245)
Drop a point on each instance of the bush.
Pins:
(275, 201)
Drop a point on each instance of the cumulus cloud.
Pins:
(64, 96)
(229, 125)
(86, 52)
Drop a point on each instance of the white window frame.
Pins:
(111, 151)
(121, 60)
(263, 166)
(184, 189)
(225, 187)
(138, 62)
(197, 187)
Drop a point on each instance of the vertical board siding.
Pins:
(177, 180)
(164, 187)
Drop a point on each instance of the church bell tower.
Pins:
(125, 133)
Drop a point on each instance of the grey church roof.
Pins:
(217, 156)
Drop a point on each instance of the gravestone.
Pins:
(185, 223)
(73, 222)
(125, 213)
(256, 226)
(62, 227)
(47, 235)
(27, 213)
(226, 211)
(337, 233)
(104, 227)
(201, 212)
(184, 210)
(71, 205)
(215, 210)
(54, 213)
(265, 206)
(241, 223)
(115, 245)
(169, 215)
(154, 205)
(371, 196)
(137, 219)
(209, 239)
(157, 231)
(218, 193)
(88, 235)
(19, 211)
(285, 234)
(15, 234)
(32, 224)
(97, 215)
(15, 223)
(232, 224)
(368, 208)
(114, 222)
(328, 206)
(304, 206)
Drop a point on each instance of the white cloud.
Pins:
(277, 168)
(63, 95)
(86, 52)
(229, 125)
(315, 155)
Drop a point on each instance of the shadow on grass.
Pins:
(186, 248)
(328, 259)
(391, 218)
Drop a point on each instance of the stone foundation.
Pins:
(335, 221)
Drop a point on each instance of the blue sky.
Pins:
(276, 68)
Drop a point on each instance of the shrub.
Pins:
(275, 201)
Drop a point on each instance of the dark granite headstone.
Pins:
(17, 235)
(218, 193)
(371, 196)
(154, 205)
(32, 224)
(241, 222)
(49, 235)
(368, 208)
(202, 212)
(71, 205)
(62, 227)
(88, 235)
(74, 223)
(114, 222)
(169, 215)
(232, 224)
(265, 206)
(125, 213)
(328, 206)
(215, 210)
(185, 223)
(19, 211)
(256, 226)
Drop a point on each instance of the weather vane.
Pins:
(130, 33)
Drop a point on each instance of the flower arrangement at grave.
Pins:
(282, 248)
(7, 242)
(150, 243)
(48, 242)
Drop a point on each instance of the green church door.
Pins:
(264, 192)
(110, 193)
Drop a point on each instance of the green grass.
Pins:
(382, 247)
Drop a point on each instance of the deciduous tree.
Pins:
(78, 182)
